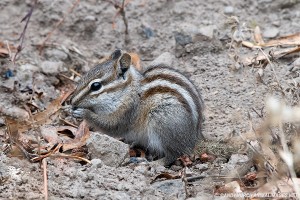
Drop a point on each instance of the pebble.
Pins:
(208, 31)
(202, 166)
(228, 10)
(52, 67)
(29, 67)
(56, 55)
(97, 163)
(271, 32)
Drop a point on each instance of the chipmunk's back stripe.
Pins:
(163, 89)
(175, 78)
(164, 86)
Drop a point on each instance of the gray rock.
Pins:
(52, 67)
(192, 39)
(111, 151)
(2, 121)
(165, 58)
(8, 109)
(185, 33)
(97, 163)
(296, 63)
(208, 31)
(228, 10)
(238, 158)
(202, 166)
(271, 32)
(29, 67)
(56, 55)
(171, 188)
(9, 83)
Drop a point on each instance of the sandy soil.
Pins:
(231, 93)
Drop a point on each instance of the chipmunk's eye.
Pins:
(95, 86)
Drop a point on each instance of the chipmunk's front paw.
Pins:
(78, 112)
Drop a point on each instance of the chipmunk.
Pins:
(158, 109)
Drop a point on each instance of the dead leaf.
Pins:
(81, 136)
(185, 160)
(207, 157)
(289, 40)
(166, 176)
(45, 117)
(49, 133)
(4, 53)
(254, 60)
(12, 129)
(68, 131)
(251, 176)
(258, 36)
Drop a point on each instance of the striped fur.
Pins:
(158, 109)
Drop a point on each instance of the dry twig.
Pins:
(22, 36)
(121, 11)
(45, 179)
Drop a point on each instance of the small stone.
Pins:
(13, 111)
(29, 67)
(228, 10)
(202, 166)
(56, 55)
(97, 163)
(52, 67)
(2, 121)
(146, 31)
(9, 83)
(271, 32)
(165, 58)
(184, 33)
(143, 169)
(173, 189)
(208, 31)
(195, 58)
(238, 158)
(112, 152)
(296, 63)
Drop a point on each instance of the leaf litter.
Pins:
(52, 141)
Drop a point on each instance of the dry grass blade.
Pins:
(40, 157)
(45, 178)
(22, 36)
(61, 155)
(289, 40)
(166, 176)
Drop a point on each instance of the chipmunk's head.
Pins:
(104, 84)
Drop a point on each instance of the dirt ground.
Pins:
(233, 93)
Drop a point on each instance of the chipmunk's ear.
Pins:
(124, 63)
(116, 54)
